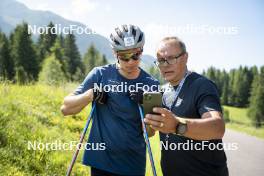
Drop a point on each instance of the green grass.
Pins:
(238, 115)
(32, 113)
(240, 121)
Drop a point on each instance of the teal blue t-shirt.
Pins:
(117, 124)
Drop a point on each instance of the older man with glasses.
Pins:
(191, 125)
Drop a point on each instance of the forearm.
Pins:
(75, 103)
(71, 111)
(78, 100)
(205, 129)
(210, 126)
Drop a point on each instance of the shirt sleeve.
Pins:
(93, 77)
(207, 98)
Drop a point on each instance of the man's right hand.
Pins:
(137, 96)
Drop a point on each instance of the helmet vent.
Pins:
(119, 33)
(125, 28)
(140, 37)
(134, 32)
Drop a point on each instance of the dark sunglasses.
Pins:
(128, 56)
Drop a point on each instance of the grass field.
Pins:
(31, 113)
(240, 121)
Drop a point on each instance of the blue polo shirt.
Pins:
(117, 124)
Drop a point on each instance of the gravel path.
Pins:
(248, 159)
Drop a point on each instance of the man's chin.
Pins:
(168, 78)
(131, 70)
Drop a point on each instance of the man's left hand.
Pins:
(165, 122)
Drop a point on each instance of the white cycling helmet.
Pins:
(127, 37)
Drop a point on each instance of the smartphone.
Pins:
(151, 100)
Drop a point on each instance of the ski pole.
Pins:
(80, 142)
(147, 141)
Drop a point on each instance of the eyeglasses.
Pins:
(128, 56)
(169, 60)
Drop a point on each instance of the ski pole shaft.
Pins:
(147, 141)
(80, 142)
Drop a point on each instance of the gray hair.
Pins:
(176, 41)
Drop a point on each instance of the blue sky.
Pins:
(230, 32)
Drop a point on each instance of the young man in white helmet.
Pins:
(116, 120)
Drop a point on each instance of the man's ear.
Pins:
(115, 54)
(157, 54)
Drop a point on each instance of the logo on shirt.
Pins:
(113, 82)
(179, 101)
